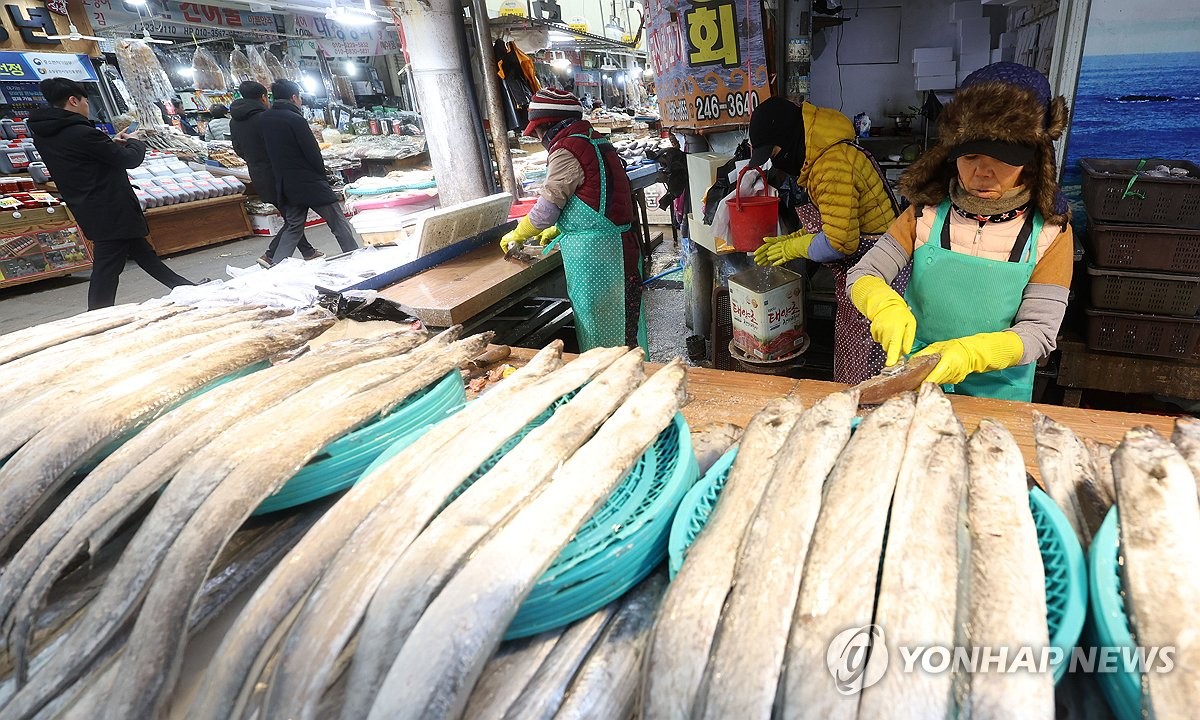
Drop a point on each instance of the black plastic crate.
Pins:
(1170, 202)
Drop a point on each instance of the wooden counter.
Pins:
(724, 396)
(175, 228)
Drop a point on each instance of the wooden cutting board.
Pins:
(460, 289)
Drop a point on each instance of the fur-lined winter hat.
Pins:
(1004, 110)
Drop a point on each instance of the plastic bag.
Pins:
(274, 67)
(206, 73)
(239, 67)
(371, 307)
(751, 184)
(147, 81)
(258, 67)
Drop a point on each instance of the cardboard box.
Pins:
(767, 305)
(965, 10)
(974, 35)
(937, 82)
(702, 173)
(929, 69)
(933, 54)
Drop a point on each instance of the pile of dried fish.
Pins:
(1151, 484)
(791, 558)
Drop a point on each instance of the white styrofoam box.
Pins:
(926, 69)
(933, 54)
(767, 305)
(1008, 40)
(965, 9)
(702, 234)
(1006, 54)
(702, 173)
(273, 223)
(974, 34)
(971, 62)
(936, 82)
(655, 216)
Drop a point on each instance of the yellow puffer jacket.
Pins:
(842, 181)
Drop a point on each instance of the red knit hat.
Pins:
(551, 105)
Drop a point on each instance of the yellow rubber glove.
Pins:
(892, 323)
(974, 354)
(780, 249)
(548, 235)
(518, 235)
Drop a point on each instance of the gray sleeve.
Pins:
(1039, 318)
(544, 214)
(885, 261)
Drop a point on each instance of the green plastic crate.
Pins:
(1062, 557)
(1108, 624)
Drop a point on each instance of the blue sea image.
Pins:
(1135, 106)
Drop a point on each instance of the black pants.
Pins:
(293, 228)
(306, 248)
(108, 260)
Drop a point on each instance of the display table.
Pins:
(175, 228)
(41, 243)
(734, 397)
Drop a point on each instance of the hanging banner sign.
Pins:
(336, 40)
(36, 67)
(167, 19)
(710, 63)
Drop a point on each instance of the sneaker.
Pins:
(265, 261)
(204, 281)
(314, 255)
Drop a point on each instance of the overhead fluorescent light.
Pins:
(351, 16)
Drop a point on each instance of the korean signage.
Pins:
(35, 67)
(709, 61)
(180, 19)
(28, 25)
(336, 40)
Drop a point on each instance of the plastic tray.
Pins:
(1147, 335)
(1145, 292)
(1062, 557)
(1108, 623)
(1109, 196)
(1133, 247)
(341, 463)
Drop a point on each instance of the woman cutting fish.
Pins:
(987, 237)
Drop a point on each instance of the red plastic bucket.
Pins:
(752, 218)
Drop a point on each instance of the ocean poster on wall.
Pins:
(1139, 88)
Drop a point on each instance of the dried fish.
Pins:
(748, 651)
(1066, 467)
(838, 589)
(1186, 439)
(440, 550)
(712, 441)
(437, 668)
(1160, 531)
(1102, 464)
(687, 621)
(1008, 597)
(20, 343)
(542, 696)
(253, 638)
(919, 588)
(507, 674)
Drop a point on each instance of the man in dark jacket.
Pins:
(300, 180)
(249, 145)
(89, 169)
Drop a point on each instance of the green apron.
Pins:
(594, 262)
(953, 295)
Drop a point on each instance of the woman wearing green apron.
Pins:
(586, 209)
(987, 239)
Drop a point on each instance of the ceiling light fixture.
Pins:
(352, 16)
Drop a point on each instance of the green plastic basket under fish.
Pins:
(1062, 557)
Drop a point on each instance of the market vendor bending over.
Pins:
(850, 207)
(988, 239)
(587, 207)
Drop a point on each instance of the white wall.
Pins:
(878, 89)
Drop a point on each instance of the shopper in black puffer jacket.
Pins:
(248, 144)
(89, 169)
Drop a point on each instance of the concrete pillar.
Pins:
(435, 37)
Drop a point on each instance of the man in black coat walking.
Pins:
(300, 179)
(89, 170)
(248, 144)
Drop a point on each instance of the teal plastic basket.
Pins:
(342, 462)
(1062, 557)
(1108, 625)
